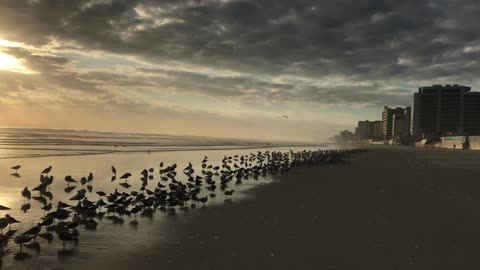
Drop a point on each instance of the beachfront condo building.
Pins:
(396, 122)
(450, 110)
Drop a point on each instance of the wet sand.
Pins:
(391, 208)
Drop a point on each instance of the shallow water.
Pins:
(18, 143)
(109, 240)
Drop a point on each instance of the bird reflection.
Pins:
(21, 256)
(69, 189)
(16, 175)
(40, 199)
(47, 194)
(35, 246)
(26, 207)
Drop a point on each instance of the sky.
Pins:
(227, 68)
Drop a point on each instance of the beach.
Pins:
(391, 208)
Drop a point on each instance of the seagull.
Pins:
(285, 116)
(26, 193)
(126, 176)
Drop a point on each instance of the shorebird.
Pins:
(90, 177)
(66, 236)
(22, 239)
(34, 230)
(26, 193)
(47, 207)
(16, 168)
(10, 220)
(83, 181)
(3, 224)
(79, 196)
(69, 179)
(126, 176)
(47, 170)
(229, 192)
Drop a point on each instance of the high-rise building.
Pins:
(450, 110)
(396, 122)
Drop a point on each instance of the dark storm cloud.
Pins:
(365, 41)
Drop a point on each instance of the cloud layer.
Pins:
(327, 62)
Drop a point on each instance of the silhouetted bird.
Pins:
(126, 176)
(47, 170)
(16, 168)
(26, 193)
(69, 179)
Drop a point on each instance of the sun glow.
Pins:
(8, 62)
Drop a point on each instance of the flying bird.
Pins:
(285, 116)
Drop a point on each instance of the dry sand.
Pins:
(391, 208)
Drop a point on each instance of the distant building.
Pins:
(368, 130)
(450, 110)
(396, 122)
(363, 130)
(344, 137)
(377, 129)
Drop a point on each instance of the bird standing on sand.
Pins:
(26, 193)
(126, 176)
(47, 170)
(10, 220)
(22, 239)
(69, 179)
(229, 192)
(16, 168)
(34, 230)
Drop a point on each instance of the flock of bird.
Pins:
(168, 195)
